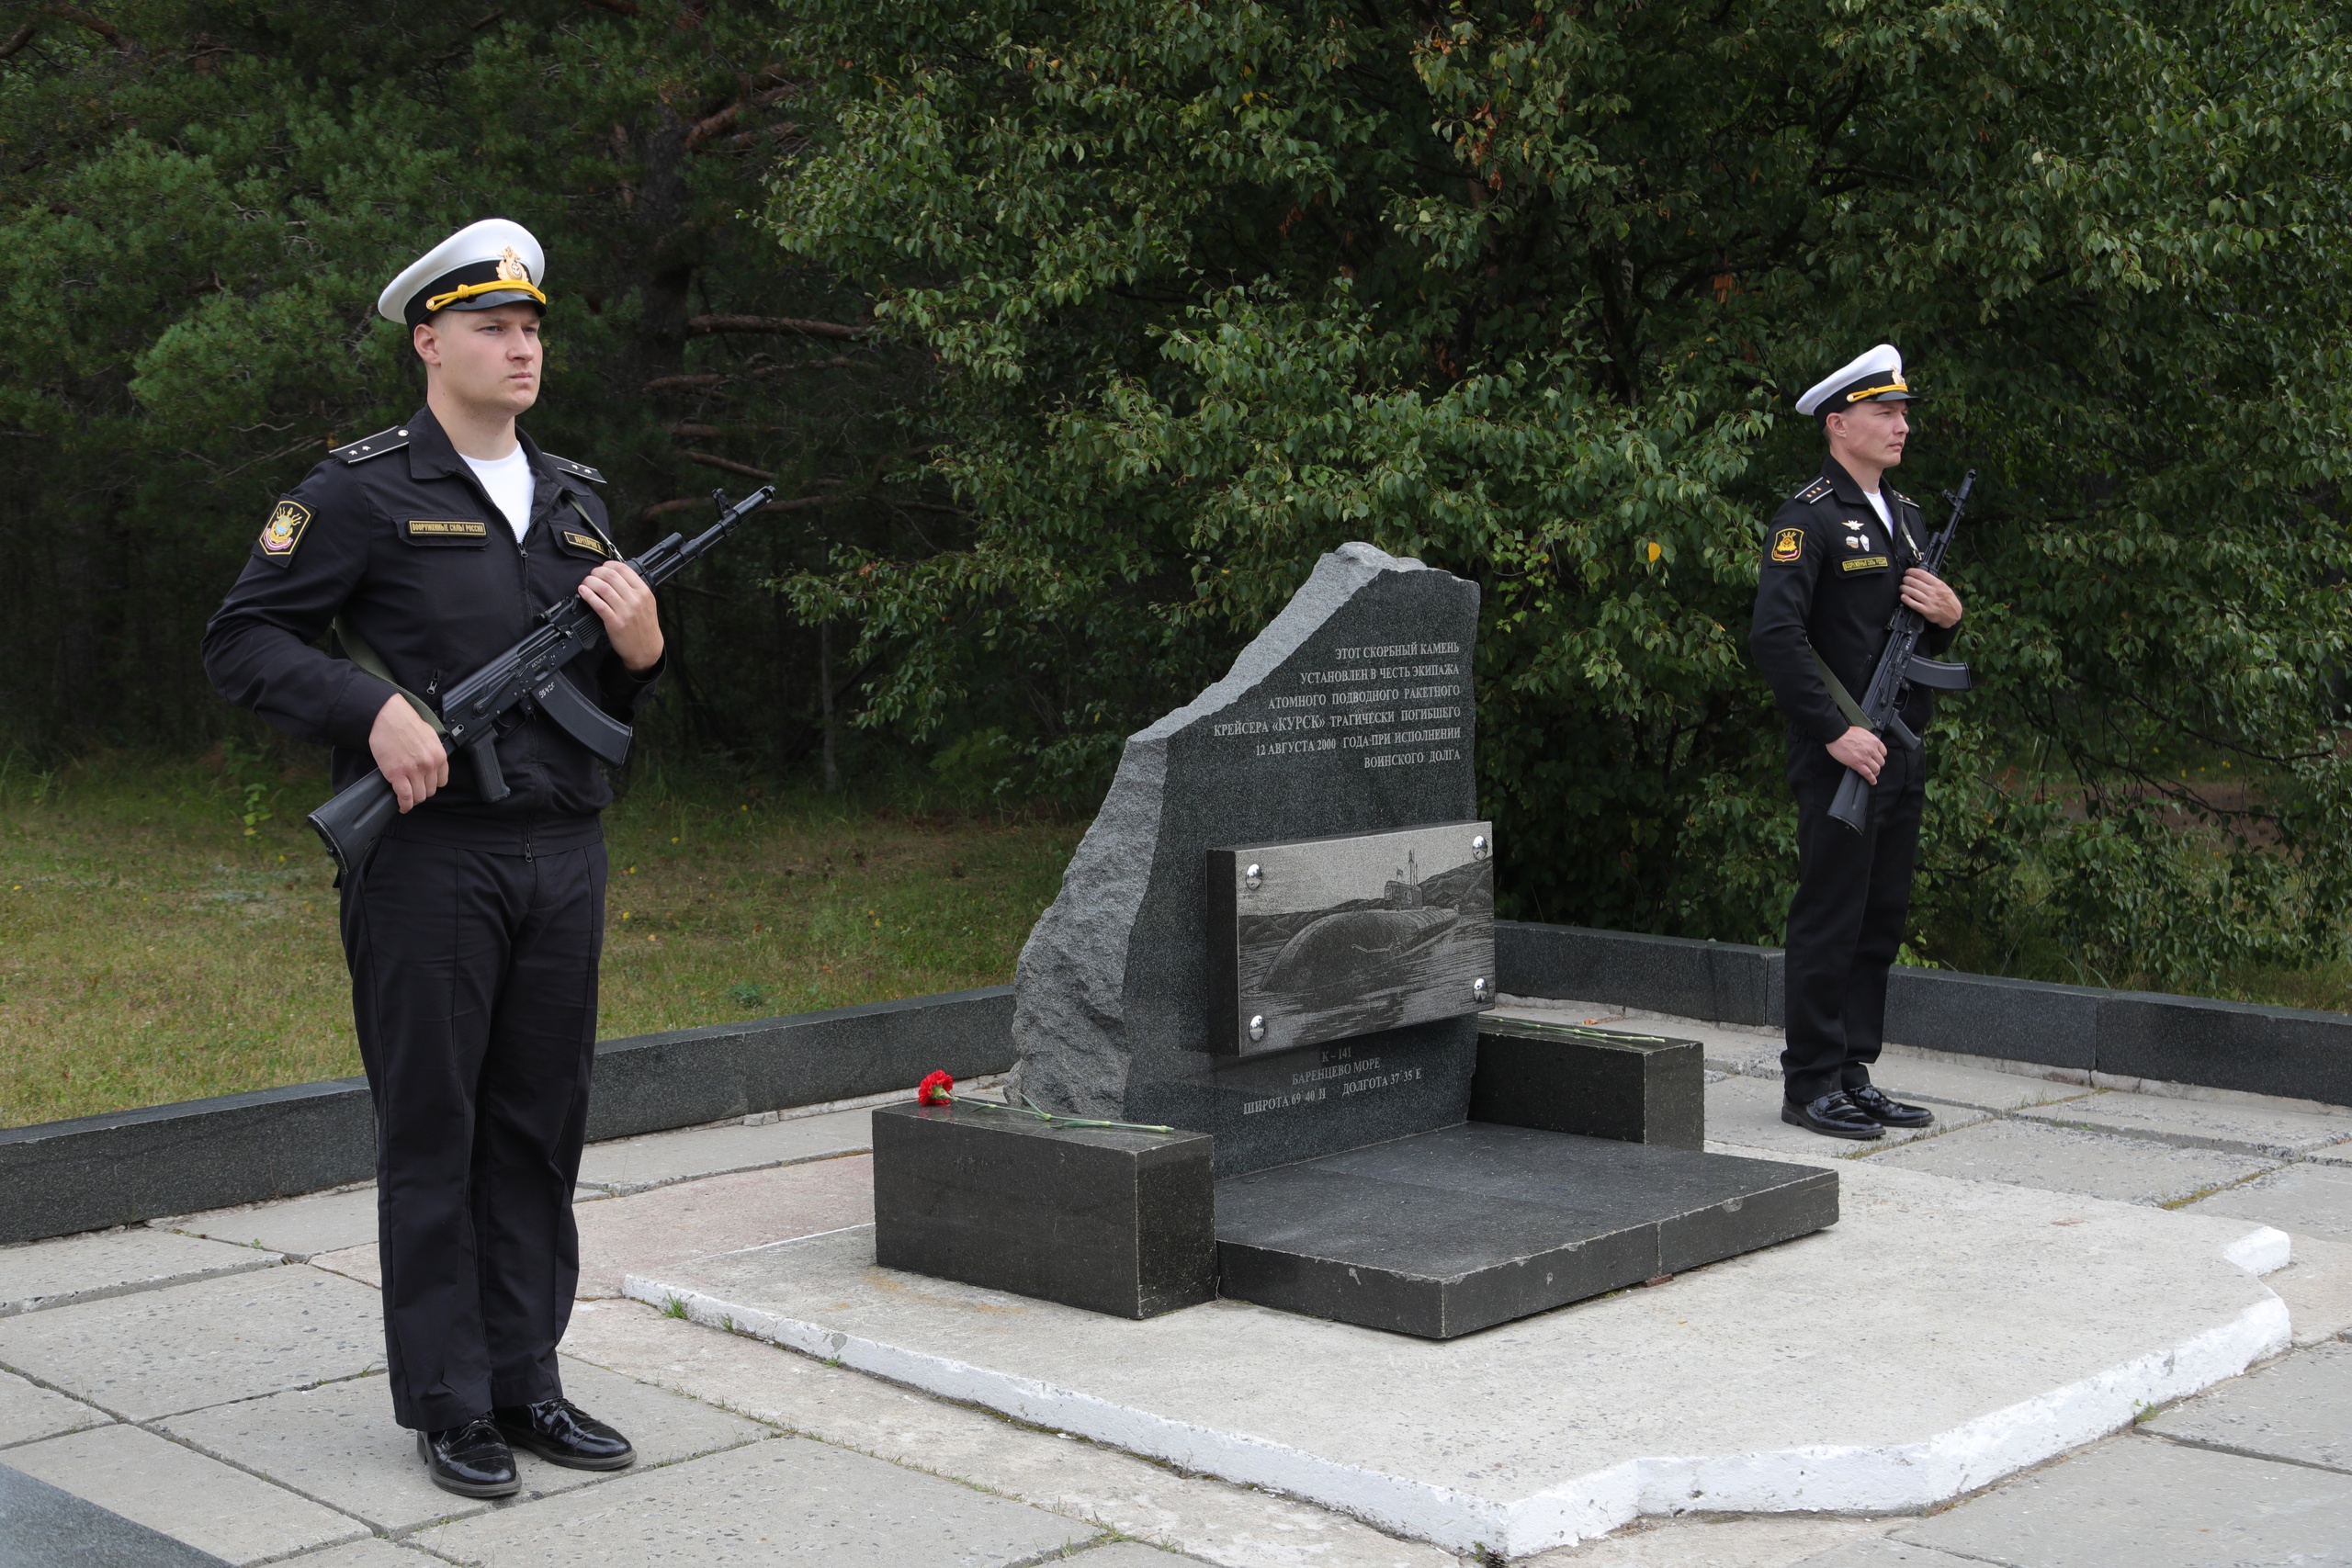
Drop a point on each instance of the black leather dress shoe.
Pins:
(562, 1433)
(1888, 1113)
(472, 1461)
(1834, 1115)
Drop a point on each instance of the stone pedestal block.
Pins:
(1447, 1233)
(1593, 1082)
(1114, 1221)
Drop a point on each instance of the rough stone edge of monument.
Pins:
(2247, 1047)
(1885, 1478)
(127, 1167)
(1102, 870)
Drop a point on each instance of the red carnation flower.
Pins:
(933, 1089)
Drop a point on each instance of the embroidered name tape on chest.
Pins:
(436, 529)
(1864, 563)
(585, 542)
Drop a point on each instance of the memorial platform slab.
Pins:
(1447, 1233)
(2026, 1322)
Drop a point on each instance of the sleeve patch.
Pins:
(1788, 545)
(284, 530)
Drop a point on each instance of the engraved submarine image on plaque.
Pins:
(1327, 939)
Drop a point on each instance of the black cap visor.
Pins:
(461, 289)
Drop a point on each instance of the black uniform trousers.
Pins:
(1846, 922)
(473, 985)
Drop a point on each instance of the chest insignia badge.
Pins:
(283, 529)
(1858, 541)
(1788, 545)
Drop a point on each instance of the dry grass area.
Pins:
(153, 950)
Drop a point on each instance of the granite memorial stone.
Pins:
(1351, 712)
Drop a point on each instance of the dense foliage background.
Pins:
(1123, 312)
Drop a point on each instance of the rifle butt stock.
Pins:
(1851, 803)
(355, 818)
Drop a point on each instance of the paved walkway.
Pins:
(209, 1390)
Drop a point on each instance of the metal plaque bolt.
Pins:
(1479, 848)
(1258, 1020)
(1253, 875)
(1479, 988)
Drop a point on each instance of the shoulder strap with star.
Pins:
(1813, 491)
(368, 446)
(580, 471)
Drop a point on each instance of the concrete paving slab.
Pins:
(30, 1412)
(1744, 1114)
(2302, 1199)
(669, 1224)
(2298, 1408)
(337, 1443)
(1234, 1527)
(372, 1554)
(42, 1274)
(2066, 1159)
(164, 1351)
(785, 1501)
(2027, 1322)
(2317, 1289)
(2198, 1124)
(43, 1527)
(1129, 1554)
(1884, 1552)
(639, 1165)
(299, 1228)
(1766, 1542)
(154, 1482)
(1941, 1083)
(360, 1263)
(2153, 1504)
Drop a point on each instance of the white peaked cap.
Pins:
(494, 262)
(1875, 377)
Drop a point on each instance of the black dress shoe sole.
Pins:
(1796, 1118)
(518, 1437)
(464, 1488)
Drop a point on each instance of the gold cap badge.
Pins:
(510, 268)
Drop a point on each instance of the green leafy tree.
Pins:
(198, 203)
(1527, 290)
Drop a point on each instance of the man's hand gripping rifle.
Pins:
(501, 695)
(1900, 667)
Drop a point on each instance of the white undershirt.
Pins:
(1878, 504)
(508, 481)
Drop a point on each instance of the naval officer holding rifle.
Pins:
(473, 922)
(1846, 590)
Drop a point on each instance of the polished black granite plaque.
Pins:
(1114, 1221)
(1603, 1083)
(1444, 1234)
(1329, 938)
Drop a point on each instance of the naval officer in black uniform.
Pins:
(472, 928)
(1841, 555)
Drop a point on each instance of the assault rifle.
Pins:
(499, 697)
(1900, 667)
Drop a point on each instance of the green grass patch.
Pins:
(157, 945)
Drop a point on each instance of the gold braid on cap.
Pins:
(495, 286)
(1851, 397)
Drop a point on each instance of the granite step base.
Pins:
(1447, 1233)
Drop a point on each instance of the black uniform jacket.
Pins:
(395, 536)
(1831, 581)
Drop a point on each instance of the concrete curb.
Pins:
(132, 1166)
(2288, 1052)
(1904, 1477)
